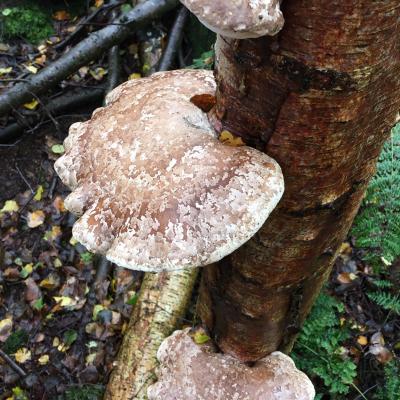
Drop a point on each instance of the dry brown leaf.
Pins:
(62, 15)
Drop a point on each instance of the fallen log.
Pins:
(87, 50)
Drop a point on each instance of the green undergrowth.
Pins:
(29, 22)
(319, 349)
(84, 392)
(377, 225)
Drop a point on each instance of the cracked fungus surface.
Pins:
(239, 19)
(189, 371)
(154, 187)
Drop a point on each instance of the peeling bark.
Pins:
(161, 305)
(320, 98)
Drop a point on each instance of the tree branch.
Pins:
(87, 50)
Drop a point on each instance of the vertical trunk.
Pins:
(320, 98)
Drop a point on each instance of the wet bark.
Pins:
(320, 98)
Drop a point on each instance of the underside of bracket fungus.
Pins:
(239, 19)
(189, 371)
(155, 189)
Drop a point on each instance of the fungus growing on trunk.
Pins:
(239, 19)
(155, 188)
(197, 372)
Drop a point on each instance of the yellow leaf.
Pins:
(4, 71)
(57, 263)
(200, 337)
(35, 218)
(230, 139)
(64, 301)
(99, 3)
(43, 360)
(98, 73)
(31, 68)
(56, 342)
(73, 241)
(10, 206)
(22, 355)
(32, 105)
(135, 75)
(39, 193)
(362, 340)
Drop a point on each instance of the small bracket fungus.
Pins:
(155, 188)
(189, 371)
(238, 19)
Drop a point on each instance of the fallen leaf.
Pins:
(362, 340)
(31, 68)
(5, 328)
(53, 234)
(61, 15)
(64, 301)
(135, 75)
(41, 60)
(98, 3)
(230, 139)
(32, 105)
(39, 193)
(346, 277)
(51, 282)
(22, 355)
(32, 291)
(44, 359)
(35, 218)
(98, 73)
(58, 204)
(4, 71)
(26, 270)
(10, 206)
(57, 149)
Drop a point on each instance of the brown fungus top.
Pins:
(189, 371)
(239, 19)
(154, 187)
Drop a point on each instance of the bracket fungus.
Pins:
(192, 371)
(238, 19)
(154, 187)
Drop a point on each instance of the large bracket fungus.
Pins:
(238, 19)
(197, 372)
(155, 188)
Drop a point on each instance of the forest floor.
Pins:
(61, 323)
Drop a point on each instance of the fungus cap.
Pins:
(190, 371)
(238, 19)
(155, 189)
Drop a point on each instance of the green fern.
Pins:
(391, 388)
(377, 226)
(319, 350)
(386, 300)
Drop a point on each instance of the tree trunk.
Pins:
(320, 98)
(162, 303)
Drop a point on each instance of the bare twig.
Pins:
(174, 41)
(12, 364)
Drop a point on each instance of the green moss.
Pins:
(27, 22)
(84, 392)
